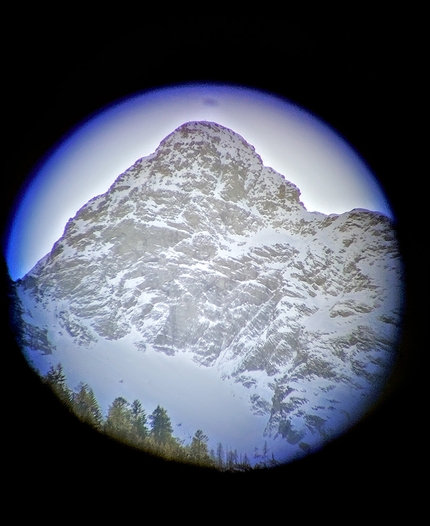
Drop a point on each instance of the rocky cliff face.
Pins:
(200, 249)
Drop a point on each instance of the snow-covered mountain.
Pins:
(199, 281)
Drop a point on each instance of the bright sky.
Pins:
(331, 176)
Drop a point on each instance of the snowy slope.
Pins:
(200, 281)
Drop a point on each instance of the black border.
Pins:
(361, 80)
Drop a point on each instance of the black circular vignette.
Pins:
(353, 82)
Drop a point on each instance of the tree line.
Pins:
(129, 423)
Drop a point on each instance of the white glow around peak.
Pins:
(331, 176)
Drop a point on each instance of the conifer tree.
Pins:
(118, 421)
(199, 449)
(138, 421)
(230, 459)
(220, 455)
(128, 422)
(86, 406)
(56, 379)
(161, 426)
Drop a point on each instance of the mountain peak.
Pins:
(212, 160)
(205, 129)
(206, 138)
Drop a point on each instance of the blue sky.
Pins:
(330, 174)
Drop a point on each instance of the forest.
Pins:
(129, 423)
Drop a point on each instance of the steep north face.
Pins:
(200, 250)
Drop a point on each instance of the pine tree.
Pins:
(86, 406)
(199, 449)
(161, 426)
(220, 456)
(56, 379)
(118, 421)
(138, 422)
(230, 459)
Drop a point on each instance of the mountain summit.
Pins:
(201, 269)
